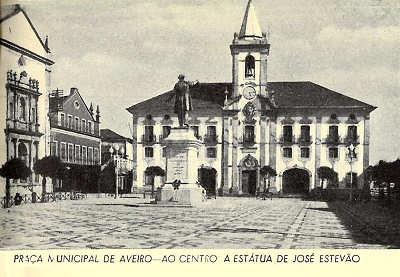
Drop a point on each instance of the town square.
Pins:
(129, 125)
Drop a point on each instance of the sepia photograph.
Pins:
(191, 124)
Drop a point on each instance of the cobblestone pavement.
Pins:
(222, 223)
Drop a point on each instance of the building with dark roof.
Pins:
(118, 149)
(293, 127)
(75, 138)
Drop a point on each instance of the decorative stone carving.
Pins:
(249, 111)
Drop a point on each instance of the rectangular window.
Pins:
(248, 134)
(90, 155)
(166, 130)
(77, 153)
(352, 134)
(76, 123)
(84, 155)
(83, 127)
(164, 152)
(305, 132)
(62, 120)
(70, 122)
(305, 152)
(96, 157)
(148, 152)
(70, 153)
(287, 133)
(148, 134)
(333, 131)
(53, 148)
(287, 152)
(351, 179)
(211, 152)
(89, 127)
(196, 131)
(211, 131)
(333, 153)
(63, 151)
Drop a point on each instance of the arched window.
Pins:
(22, 109)
(249, 67)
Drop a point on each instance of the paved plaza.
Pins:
(222, 223)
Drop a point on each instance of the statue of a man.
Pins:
(183, 99)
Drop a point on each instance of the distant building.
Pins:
(293, 127)
(75, 136)
(25, 81)
(122, 147)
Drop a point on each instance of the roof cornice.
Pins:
(25, 51)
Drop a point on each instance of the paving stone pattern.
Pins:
(222, 223)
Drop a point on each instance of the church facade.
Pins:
(293, 127)
(25, 78)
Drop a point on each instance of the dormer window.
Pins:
(148, 117)
(249, 67)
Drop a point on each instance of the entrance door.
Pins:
(295, 181)
(249, 179)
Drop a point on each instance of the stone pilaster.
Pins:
(235, 73)
(263, 73)
(272, 142)
(235, 169)
(317, 144)
(225, 155)
(262, 135)
(365, 146)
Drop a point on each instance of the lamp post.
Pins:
(351, 148)
(114, 157)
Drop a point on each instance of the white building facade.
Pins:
(293, 127)
(25, 81)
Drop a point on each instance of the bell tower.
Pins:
(249, 50)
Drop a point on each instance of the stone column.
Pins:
(317, 144)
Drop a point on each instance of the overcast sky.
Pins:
(119, 53)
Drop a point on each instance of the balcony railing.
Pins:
(332, 140)
(210, 139)
(287, 140)
(351, 139)
(304, 140)
(149, 139)
(123, 164)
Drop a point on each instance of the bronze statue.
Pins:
(183, 99)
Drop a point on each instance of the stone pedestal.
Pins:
(182, 167)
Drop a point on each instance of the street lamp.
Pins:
(352, 154)
(115, 157)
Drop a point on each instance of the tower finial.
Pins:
(250, 27)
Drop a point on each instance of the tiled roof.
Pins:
(210, 97)
(109, 135)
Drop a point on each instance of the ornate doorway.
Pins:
(249, 175)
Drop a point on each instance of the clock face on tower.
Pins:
(249, 93)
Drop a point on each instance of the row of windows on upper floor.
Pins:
(249, 135)
(211, 152)
(75, 123)
(332, 153)
(332, 118)
(78, 154)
